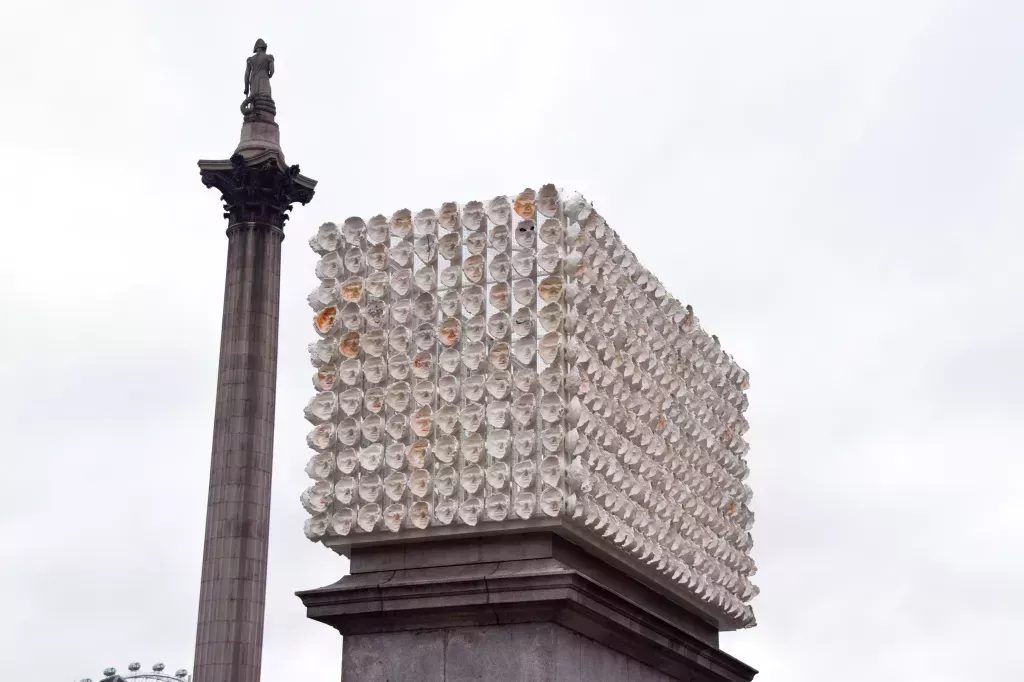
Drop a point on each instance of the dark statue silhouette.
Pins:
(259, 69)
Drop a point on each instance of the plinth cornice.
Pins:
(536, 578)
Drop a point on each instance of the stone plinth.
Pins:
(530, 606)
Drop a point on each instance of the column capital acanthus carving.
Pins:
(258, 190)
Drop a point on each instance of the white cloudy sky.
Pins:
(837, 187)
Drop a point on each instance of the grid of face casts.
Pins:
(510, 360)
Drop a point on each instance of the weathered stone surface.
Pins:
(233, 589)
(530, 607)
(525, 652)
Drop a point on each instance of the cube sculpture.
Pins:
(499, 365)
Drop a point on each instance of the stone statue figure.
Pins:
(259, 68)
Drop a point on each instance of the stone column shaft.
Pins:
(232, 594)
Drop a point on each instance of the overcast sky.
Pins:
(836, 187)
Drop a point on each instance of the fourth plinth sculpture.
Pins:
(520, 436)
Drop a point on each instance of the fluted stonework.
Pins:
(258, 191)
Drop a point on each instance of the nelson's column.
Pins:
(258, 189)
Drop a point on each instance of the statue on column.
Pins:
(259, 69)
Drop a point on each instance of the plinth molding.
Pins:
(484, 584)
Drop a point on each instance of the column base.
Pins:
(513, 607)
